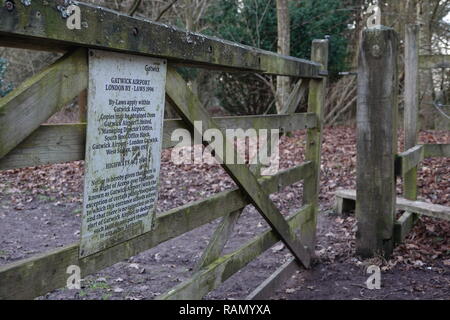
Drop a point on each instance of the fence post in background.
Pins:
(316, 104)
(411, 104)
(376, 141)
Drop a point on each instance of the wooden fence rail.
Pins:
(410, 159)
(434, 61)
(57, 143)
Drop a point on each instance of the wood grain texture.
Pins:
(47, 145)
(424, 208)
(411, 93)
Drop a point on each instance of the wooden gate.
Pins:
(24, 141)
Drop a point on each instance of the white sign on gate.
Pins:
(126, 100)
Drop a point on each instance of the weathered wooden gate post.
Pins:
(376, 141)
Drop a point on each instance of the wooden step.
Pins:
(420, 207)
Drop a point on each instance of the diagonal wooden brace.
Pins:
(190, 109)
(39, 97)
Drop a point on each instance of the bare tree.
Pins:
(191, 12)
(284, 47)
(428, 17)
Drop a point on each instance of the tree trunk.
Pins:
(284, 47)
(425, 17)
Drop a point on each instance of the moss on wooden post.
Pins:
(376, 141)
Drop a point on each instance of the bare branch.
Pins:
(165, 10)
(134, 7)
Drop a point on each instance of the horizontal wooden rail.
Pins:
(424, 208)
(54, 87)
(434, 61)
(38, 275)
(269, 286)
(409, 159)
(220, 270)
(437, 150)
(62, 143)
(41, 25)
